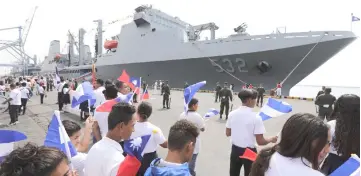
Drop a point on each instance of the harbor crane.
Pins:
(16, 47)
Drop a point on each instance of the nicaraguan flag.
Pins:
(190, 91)
(274, 108)
(135, 151)
(58, 138)
(7, 139)
(212, 112)
(83, 93)
(354, 18)
(350, 168)
(107, 106)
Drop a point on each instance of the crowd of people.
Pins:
(306, 145)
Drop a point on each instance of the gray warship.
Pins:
(157, 46)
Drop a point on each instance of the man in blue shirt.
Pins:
(181, 142)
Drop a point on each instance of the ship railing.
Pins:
(268, 37)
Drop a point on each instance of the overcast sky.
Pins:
(54, 18)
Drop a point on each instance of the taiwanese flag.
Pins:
(249, 154)
(135, 151)
(135, 82)
(124, 77)
(107, 106)
(145, 95)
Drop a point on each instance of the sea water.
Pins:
(310, 91)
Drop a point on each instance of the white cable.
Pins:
(299, 63)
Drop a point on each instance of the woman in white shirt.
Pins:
(345, 132)
(142, 128)
(304, 144)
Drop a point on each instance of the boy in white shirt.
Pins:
(24, 97)
(198, 121)
(42, 94)
(15, 102)
(144, 127)
(105, 157)
(245, 129)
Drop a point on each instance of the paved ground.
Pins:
(214, 155)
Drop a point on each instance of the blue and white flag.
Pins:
(350, 168)
(211, 112)
(354, 18)
(7, 139)
(274, 108)
(190, 91)
(58, 138)
(83, 93)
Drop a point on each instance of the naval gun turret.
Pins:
(241, 29)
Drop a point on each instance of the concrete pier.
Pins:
(213, 158)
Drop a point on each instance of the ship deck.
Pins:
(215, 145)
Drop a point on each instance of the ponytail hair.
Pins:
(261, 165)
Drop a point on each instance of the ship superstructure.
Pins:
(157, 46)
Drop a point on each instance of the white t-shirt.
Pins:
(28, 84)
(99, 96)
(78, 162)
(24, 92)
(332, 125)
(146, 128)
(15, 95)
(198, 120)
(60, 86)
(41, 90)
(285, 166)
(244, 125)
(104, 158)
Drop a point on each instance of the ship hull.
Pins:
(240, 68)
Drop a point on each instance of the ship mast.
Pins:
(99, 38)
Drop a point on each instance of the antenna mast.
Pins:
(99, 38)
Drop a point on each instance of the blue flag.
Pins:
(211, 112)
(190, 91)
(58, 138)
(350, 168)
(7, 139)
(274, 108)
(83, 92)
(135, 147)
(354, 18)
